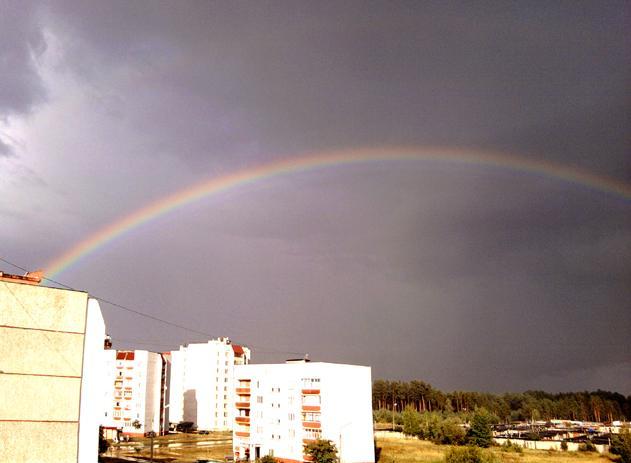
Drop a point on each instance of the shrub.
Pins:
(451, 431)
(322, 451)
(512, 447)
(468, 454)
(411, 422)
(621, 446)
(587, 446)
(267, 459)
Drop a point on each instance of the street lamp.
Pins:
(394, 406)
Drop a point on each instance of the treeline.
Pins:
(600, 405)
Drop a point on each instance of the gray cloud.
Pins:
(5, 149)
(21, 41)
(464, 275)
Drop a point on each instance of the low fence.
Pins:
(547, 444)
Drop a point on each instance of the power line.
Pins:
(146, 315)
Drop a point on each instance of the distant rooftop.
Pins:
(29, 278)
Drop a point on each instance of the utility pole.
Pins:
(394, 404)
(151, 436)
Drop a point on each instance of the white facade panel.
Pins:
(202, 383)
(279, 408)
(91, 385)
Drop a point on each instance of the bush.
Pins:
(411, 422)
(267, 459)
(382, 416)
(322, 451)
(511, 447)
(621, 446)
(587, 446)
(452, 432)
(103, 443)
(468, 455)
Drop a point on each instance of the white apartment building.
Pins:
(280, 408)
(50, 383)
(202, 383)
(134, 401)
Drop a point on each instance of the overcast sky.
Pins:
(469, 277)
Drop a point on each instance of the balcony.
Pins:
(311, 391)
(311, 424)
(310, 408)
(242, 434)
(243, 390)
(243, 419)
(242, 404)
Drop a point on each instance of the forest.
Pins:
(601, 406)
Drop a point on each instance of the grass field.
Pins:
(419, 451)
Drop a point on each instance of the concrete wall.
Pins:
(42, 333)
(91, 406)
(547, 444)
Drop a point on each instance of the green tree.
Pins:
(621, 445)
(322, 451)
(480, 433)
(411, 421)
(103, 443)
(267, 459)
(451, 431)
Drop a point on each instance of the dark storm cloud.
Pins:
(467, 276)
(285, 77)
(21, 41)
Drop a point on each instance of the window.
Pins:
(308, 416)
(313, 434)
(310, 383)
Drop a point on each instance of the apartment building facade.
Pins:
(202, 383)
(50, 383)
(135, 399)
(281, 407)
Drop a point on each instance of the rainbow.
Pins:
(323, 160)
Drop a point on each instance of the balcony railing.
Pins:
(311, 424)
(242, 434)
(311, 408)
(243, 404)
(311, 391)
(242, 419)
(243, 390)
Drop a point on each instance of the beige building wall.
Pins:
(42, 335)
